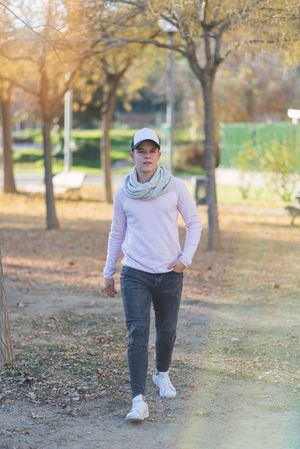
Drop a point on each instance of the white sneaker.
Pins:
(139, 410)
(166, 388)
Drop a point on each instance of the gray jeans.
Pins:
(139, 290)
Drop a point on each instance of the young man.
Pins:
(145, 229)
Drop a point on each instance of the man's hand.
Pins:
(177, 266)
(109, 287)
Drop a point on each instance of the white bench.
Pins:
(62, 183)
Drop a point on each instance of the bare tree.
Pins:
(44, 58)
(6, 348)
(112, 82)
(114, 64)
(9, 185)
(6, 88)
(208, 31)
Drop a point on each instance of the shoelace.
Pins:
(167, 383)
(136, 410)
(136, 407)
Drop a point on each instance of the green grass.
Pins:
(87, 154)
(118, 135)
(259, 197)
(87, 159)
(57, 167)
(30, 159)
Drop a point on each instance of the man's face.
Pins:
(145, 157)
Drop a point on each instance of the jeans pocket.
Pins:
(125, 271)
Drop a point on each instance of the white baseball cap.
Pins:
(144, 134)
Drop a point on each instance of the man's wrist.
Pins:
(183, 261)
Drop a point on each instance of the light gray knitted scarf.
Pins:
(160, 183)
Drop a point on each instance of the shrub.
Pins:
(246, 161)
(87, 152)
(280, 159)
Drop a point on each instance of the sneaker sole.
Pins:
(136, 419)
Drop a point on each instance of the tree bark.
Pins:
(47, 117)
(51, 217)
(206, 76)
(210, 162)
(9, 185)
(107, 116)
(6, 348)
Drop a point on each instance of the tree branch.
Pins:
(119, 42)
(17, 58)
(217, 9)
(27, 25)
(20, 86)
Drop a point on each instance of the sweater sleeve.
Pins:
(189, 213)
(116, 237)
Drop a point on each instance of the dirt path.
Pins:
(236, 364)
(217, 406)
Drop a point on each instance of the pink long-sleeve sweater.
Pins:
(147, 231)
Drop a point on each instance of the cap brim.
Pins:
(138, 143)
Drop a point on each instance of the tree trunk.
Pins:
(51, 218)
(107, 116)
(210, 163)
(6, 349)
(9, 185)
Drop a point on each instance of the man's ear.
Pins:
(132, 155)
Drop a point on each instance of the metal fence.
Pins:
(235, 136)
